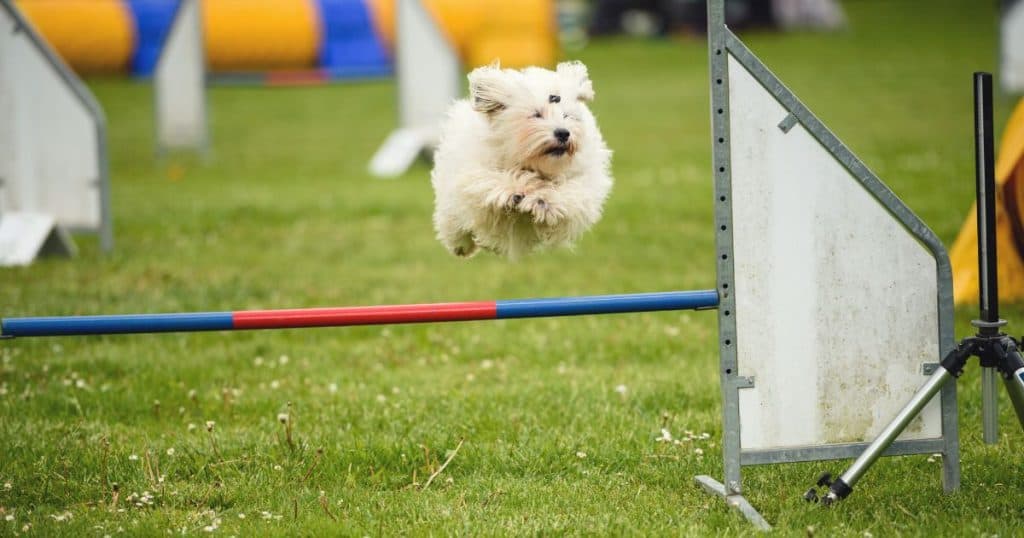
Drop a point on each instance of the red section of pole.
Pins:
(363, 315)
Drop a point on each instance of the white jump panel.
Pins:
(428, 69)
(836, 302)
(429, 77)
(51, 134)
(179, 83)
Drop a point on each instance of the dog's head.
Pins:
(537, 116)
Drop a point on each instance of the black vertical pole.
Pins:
(986, 192)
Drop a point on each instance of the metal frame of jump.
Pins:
(725, 47)
(935, 332)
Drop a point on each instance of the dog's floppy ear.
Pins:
(489, 88)
(575, 73)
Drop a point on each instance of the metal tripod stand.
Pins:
(995, 350)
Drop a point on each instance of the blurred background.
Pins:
(350, 38)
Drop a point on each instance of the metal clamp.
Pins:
(988, 324)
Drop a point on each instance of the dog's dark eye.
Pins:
(537, 114)
(554, 99)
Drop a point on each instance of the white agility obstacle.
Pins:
(836, 300)
(428, 76)
(53, 157)
(179, 84)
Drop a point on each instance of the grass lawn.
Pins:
(555, 420)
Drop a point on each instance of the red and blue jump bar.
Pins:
(358, 315)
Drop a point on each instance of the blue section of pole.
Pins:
(607, 304)
(137, 323)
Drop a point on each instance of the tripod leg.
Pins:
(1013, 366)
(844, 484)
(1015, 387)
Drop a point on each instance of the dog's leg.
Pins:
(453, 236)
(511, 188)
(477, 210)
(501, 190)
(464, 246)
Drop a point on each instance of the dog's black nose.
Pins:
(562, 134)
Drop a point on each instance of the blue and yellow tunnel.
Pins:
(334, 38)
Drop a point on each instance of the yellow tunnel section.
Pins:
(100, 36)
(518, 33)
(258, 35)
(92, 36)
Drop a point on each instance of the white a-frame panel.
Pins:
(429, 74)
(52, 135)
(427, 67)
(179, 83)
(835, 299)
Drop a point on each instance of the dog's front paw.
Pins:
(510, 197)
(507, 200)
(543, 208)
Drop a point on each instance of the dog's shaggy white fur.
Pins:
(521, 164)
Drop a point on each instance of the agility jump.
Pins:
(825, 281)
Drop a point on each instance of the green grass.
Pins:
(284, 215)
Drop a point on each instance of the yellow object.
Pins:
(1009, 224)
(261, 35)
(518, 33)
(91, 36)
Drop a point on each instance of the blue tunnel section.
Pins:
(349, 47)
(152, 22)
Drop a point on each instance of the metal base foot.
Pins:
(714, 487)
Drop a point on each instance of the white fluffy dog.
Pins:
(521, 164)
